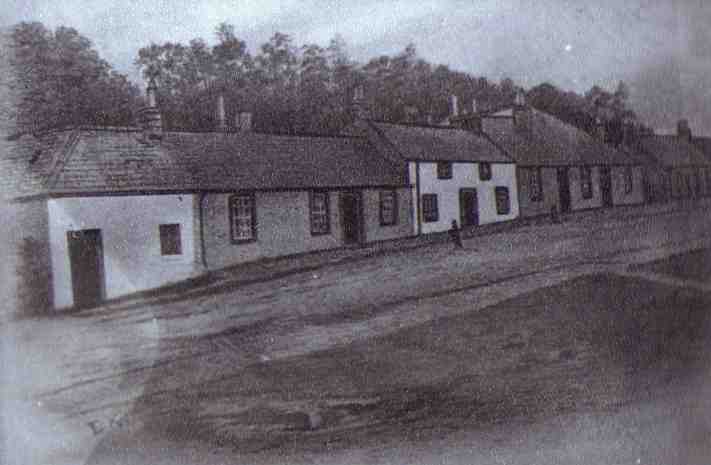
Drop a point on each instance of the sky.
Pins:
(661, 48)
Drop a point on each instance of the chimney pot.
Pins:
(150, 117)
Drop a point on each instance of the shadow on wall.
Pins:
(33, 276)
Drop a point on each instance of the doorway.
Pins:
(86, 260)
(606, 186)
(564, 189)
(468, 207)
(352, 217)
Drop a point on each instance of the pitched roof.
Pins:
(550, 141)
(115, 160)
(432, 143)
(672, 151)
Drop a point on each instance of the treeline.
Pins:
(59, 79)
(288, 88)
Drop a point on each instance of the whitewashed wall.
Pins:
(464, 176)
(131, 241)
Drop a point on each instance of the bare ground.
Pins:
(402, 358)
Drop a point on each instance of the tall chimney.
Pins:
(221, 119)
(150, 117)
(453, 106)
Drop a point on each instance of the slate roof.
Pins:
(550, 141)
(672, 151)
(115, 160)
(432, 143)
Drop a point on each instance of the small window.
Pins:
(484, 171)
(320, 219)
(586, 182)
(535, 185)
(170, 239)
(629, 180)
(430, 211)
(503, 203)
(242, 218)
(388, 208)
(444, 170)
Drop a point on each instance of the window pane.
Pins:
(534, 185)
(242, 217)
(444, 170)
(388, 208)
(484, 171)
(586, 182)
(430, 211)
(320, 221)
(503, 205)
(170, 239)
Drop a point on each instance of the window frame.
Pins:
(628, 180)
(505, 190)
(171, 239)
(444, 170)
(231, 200)
(433, 216)
(586, 187)
(395, 212)
(326, 213)
(485, 174)
(537, 174)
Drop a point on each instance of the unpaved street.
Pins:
(535, 346)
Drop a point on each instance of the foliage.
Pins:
(61, 80)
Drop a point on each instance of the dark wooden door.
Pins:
(564, 189)
(87, 267)
(606, 186)
(351, 214)
(468, 207)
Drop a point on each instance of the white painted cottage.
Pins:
(455, 173)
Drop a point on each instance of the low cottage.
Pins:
(455, 173)
(125, 209)
(560, 167)
(682, 170)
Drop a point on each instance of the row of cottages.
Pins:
(127, 209)
(558, 166)
(678, 165)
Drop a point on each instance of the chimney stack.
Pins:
(221, 119)
(150, 117)
(521, 114)
(453, 106)
(683, 130)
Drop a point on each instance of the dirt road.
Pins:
(425, 356)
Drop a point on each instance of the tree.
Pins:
(61, 80)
